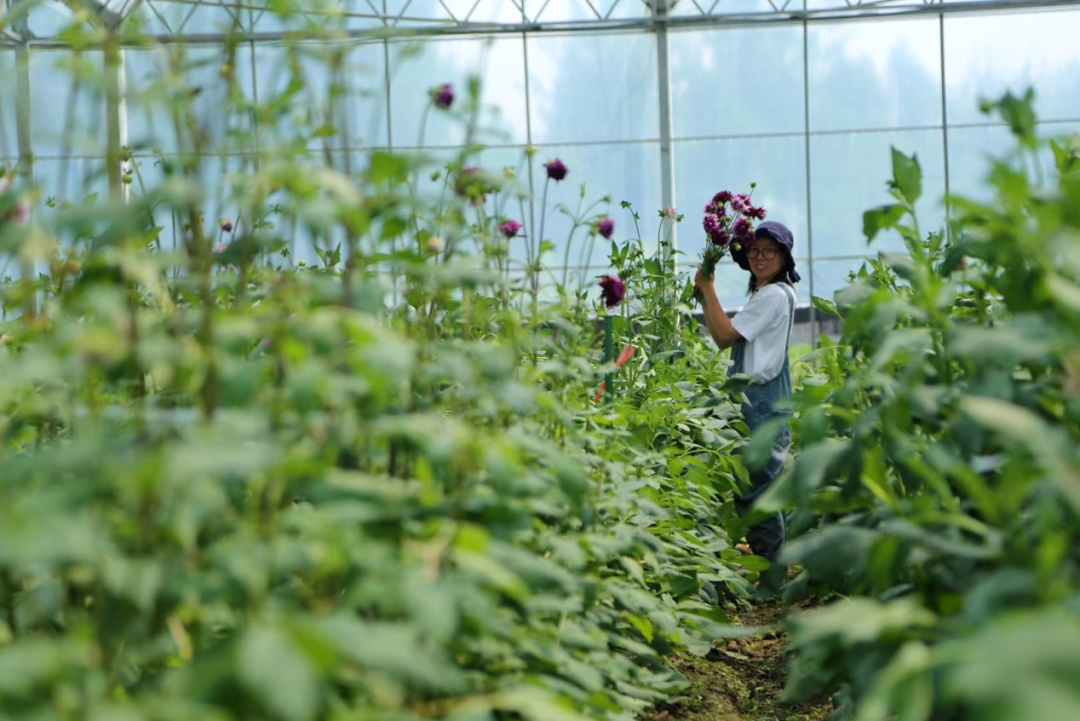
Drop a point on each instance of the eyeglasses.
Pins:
(768, 253)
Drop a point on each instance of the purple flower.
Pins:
(755, 213)
(556, 169)
(605, 227)
(720, 239)
(712, 225)
(226, 225)
(744, 231)
(442, 96)
(724, 196)
(510, 228)
(671, 214)
(740, 203)
(612, 290)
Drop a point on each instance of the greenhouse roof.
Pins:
(47, 20)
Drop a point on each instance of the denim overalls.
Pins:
(767, 538)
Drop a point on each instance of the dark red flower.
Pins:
(740, 203)
(744, 231)
(227, 225)
(711, 224)
(605, 227)
(612, 290)
(556, 169)
(720, 239)
(443, 96)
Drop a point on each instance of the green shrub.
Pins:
(937, 480)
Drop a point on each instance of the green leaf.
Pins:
(1065, 291)
(858, 620)
(908, 346)
(386, 167)
(642, 625)
(754, 563)
(395, 649)
(757, 452)
(531, 704)
(812, 467)
(274, 670)
(1009, 419)
(885, 217)
(1024, 667)
(825, 306)
(903, 690)
(1065, 159)
(1019, 113)
(907, 176)
(833, 553)
(1005, 342)
(40, 662)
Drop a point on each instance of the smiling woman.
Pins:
(759, 336)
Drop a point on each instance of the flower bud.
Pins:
(434, 244)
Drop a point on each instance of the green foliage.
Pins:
(936, 485)
(239, 486)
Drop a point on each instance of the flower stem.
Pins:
(609, 355)
(543, 219)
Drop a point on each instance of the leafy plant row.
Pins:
(937, 481)
(238, 486)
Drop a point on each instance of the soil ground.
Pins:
(742, 680)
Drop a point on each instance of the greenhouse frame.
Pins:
(657, 103)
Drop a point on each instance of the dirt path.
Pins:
(742, 680)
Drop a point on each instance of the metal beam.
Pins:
(667, 151)
(23, 122)
(442, 28)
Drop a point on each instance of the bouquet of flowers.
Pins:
(729, 220)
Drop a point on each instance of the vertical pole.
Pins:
(26, 154)
(113, 68)
(944, 121)
(809, 191)
(386, 78)
(667, 154)
(535, 241)
(122, 114)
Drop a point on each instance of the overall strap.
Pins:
(791, 313)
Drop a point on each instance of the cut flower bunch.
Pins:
(729, 219)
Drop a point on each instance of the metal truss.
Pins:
(205, 20)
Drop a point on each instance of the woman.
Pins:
(759, 336)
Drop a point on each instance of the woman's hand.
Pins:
(702, 281)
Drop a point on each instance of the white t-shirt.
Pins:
(763, 322)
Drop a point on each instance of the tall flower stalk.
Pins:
(612, 293)
(556, 170)
(441, 97)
